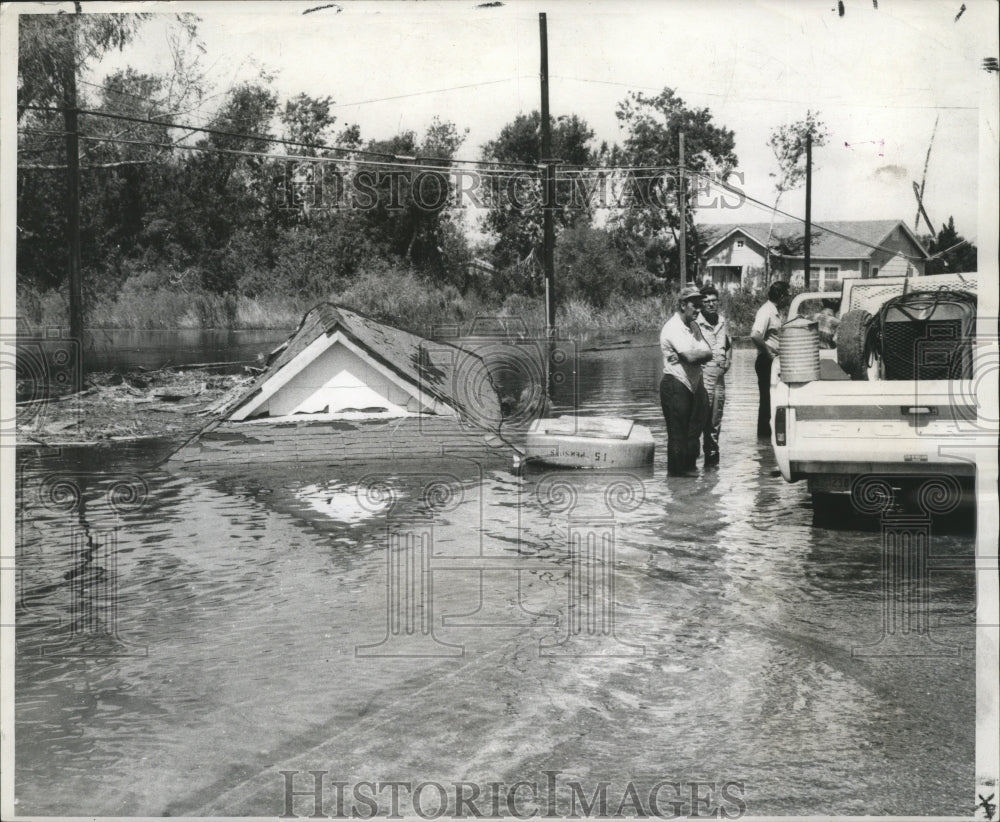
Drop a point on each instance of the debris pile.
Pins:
(117, 406)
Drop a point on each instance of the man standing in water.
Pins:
(682, 394)
(715, 330)
(765, 332)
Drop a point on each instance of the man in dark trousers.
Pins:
(765, 333)
(682, 394)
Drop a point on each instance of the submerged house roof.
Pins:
(853, 239)
(433, 377)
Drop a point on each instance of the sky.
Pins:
(879, 77)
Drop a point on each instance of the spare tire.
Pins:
(852, 337)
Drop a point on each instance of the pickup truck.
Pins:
(891, 396)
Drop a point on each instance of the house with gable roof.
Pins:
(734, 254)
(346, 388)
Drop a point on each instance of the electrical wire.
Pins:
(433, 91)
(742, 98)
(273, 140)
(296, 158)
(410, 163)
(503, 164)
(353, 103)
(562, 174)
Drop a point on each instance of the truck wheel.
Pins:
(851, 336)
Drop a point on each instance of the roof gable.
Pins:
(732, 232)
(451, 375)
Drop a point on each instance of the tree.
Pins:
(957, 253)
(410, 204)
(117, 175)
(788, 142)
(648, 217)
(514, 201)
(308, 120)
(589, 267)
(50, 46)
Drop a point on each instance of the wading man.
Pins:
(715, 330)
(682, 394)
(765, 333)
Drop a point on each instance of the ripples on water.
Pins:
(178, 647)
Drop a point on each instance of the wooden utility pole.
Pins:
(682, 208)
(809, 178)
(548, 203)
(73, 205)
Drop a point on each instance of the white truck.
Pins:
(891, 397)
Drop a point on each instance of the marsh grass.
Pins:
(394, 296)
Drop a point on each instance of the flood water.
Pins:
(121, 349)
(184, 637)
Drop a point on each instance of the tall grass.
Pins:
(387, 294)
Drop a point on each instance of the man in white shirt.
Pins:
(715, 330)
(682, 394)
(765, 333)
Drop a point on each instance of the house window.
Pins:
(739, 243)
(874, 270)
(823, 278)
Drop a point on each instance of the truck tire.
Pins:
(851, 337)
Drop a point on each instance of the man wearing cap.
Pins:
(715, 330)
(682, 394)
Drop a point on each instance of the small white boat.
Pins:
(589, 442)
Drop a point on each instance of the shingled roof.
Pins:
(863, 233)
(454, 376)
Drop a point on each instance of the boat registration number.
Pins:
(597, 456)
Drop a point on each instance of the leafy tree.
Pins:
(957, 253)
(407, 206)
(649, 218)
(308, 120)
(120, 176)
(54, 47)
(589, 267)
(788, 143)
(515, 213)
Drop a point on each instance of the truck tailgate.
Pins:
(836, 426)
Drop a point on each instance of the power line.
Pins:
(563, 175)
(411, 164)
(344, 105)
(433, 91)
(297, 158)
(275, 140)
(501, 164)
(134, 96)
(411, 161)
(743, 98)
